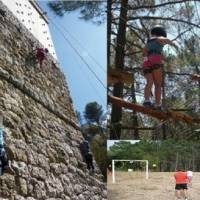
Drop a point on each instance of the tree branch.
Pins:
(162, 18)
(136, 33)
(159, 5)
(182, 33)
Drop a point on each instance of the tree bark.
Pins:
(116, 114)
(109, 23)
(159, 5)
(163, 104)
(134, 116)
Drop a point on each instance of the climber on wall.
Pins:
(89, 161)
(3, 155)
(85, 150)
(41, 55)
(153, 63)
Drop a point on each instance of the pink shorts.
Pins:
(152, 60)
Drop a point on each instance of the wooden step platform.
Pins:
(159, 114)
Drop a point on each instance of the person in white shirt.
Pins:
(190, 176)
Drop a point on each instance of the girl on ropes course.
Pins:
(153, 63)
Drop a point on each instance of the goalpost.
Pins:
(113, 167)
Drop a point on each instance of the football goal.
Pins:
(131, 162)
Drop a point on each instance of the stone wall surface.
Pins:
(42, 133)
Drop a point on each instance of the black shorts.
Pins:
(151, 69)
(181, 186)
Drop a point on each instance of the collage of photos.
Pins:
(99, 99)
(153, 100)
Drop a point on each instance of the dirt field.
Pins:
(159, 186)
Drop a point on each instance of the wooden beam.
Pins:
(161, 115)
(119, 76)
(182, 109)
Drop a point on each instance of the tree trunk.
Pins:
(163, 104)
(134, 117)
(177, 160)
(197, 71)
(109, 23)
(116, 114)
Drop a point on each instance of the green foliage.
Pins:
(89, 10)
(98, 147)
(190, 52)
(89, 131)
(93, 113)
(167, 155)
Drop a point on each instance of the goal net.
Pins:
(127, 168)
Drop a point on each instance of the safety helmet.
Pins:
(158, 30)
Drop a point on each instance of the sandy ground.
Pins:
(159, 186)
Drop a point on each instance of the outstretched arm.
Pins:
(164, 41)
(144, 51)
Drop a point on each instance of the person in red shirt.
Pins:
(41, 55)
(181, 184)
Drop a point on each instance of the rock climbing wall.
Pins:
(33, 19)
(42, 133)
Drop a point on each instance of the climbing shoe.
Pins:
(147, 104)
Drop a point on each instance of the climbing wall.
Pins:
(42, 133)
(34, 19)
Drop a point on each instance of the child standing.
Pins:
(153, 63)
(190, 176)
(109, 171)
(181, 184)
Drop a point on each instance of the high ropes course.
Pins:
(161, 115)
(120, 76)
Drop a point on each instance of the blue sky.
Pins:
(83, 85)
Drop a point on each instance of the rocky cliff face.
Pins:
(42, 134)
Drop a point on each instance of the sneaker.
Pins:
(147, 104)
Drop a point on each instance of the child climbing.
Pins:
(89, 161)
(3, 155)
(85, 150)
(153, 63)
(181, 184)
(41, 55)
